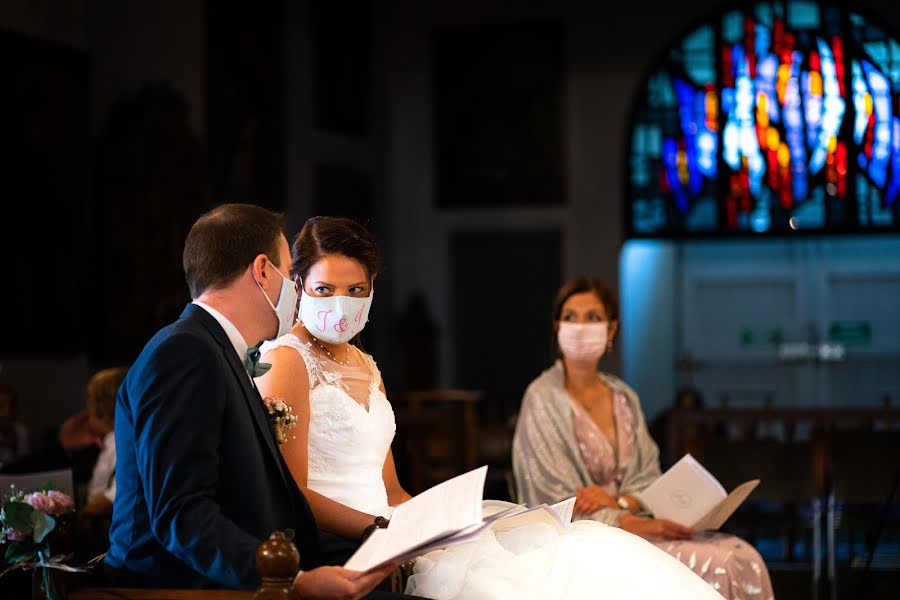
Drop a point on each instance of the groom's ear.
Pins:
(258, 270)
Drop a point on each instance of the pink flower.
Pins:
(52, 503)
(16, 536)
(64, 504)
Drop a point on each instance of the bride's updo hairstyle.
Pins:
(321, 236)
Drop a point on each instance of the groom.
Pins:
(200, 479)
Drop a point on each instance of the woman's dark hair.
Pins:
(223, 242)
(581, 285)
(321, 236)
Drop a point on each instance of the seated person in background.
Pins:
(13, 434)
(582, 432)
(75, 446)
(101, 405)
(339, 452)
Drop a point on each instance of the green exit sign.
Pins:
(759, 336)
(851, 333)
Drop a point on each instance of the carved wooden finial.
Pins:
(278, 561)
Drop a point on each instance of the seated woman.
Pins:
(101, 406)
(339, 452)
(582, 432)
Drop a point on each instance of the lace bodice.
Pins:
(350, 429)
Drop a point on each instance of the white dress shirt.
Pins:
(103, 479)
(234, 336)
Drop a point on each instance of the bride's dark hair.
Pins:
(321, 236)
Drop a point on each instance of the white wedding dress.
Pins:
(351, 429)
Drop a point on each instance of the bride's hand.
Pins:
(655, 528)
(591, 498)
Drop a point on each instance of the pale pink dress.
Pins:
(729, 564)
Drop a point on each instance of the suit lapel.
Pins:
(251, 394)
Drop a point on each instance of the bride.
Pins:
(340, 452)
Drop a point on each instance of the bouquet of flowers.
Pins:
(281, 417)
(26, 522)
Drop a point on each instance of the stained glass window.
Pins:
(781, 117)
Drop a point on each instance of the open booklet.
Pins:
(689, 494)
(447, 514)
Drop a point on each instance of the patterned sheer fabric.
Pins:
(347, 411)
(727, 563)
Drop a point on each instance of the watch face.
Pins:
(622, 502)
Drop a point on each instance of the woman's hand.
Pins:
(591, 498)
(655, 528)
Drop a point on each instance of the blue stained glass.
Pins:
(763, 40)
(878, 52)
(699, 62)
(765, 83)
(706, 153)
(860, 89)
(813, 105)
(833, 113)
(703, 216)
(727, 100)
(764, 14)
(803, 15)
(676, 151)
(659, 91)
(893, 67)
(685, 93)
(893, 188)
(649, 215)
(811, 214)
(731, 145)
(881, 101)
(733, 27)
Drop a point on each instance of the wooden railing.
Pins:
(686, 427)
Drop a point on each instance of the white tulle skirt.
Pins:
(590, 560)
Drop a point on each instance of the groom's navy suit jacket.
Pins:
(200, 480)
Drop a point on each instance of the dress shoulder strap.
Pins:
(314, 368)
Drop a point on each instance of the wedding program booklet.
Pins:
(558, 516)
(447, 514)
(689, 494)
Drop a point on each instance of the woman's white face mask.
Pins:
(334, 319)
(583, 343)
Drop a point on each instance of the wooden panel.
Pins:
(499, 95)
(503, 283)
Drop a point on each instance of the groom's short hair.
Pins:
(223, 242)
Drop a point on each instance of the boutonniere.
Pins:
(281, 417)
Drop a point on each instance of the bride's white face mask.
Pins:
(334, 319)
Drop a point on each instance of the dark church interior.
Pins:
(729, 170)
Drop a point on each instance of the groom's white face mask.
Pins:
(287, 300)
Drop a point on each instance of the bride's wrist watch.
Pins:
(379, 523)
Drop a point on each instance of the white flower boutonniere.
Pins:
(281, 417)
